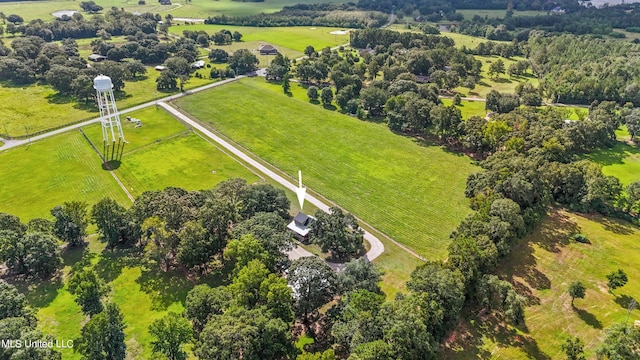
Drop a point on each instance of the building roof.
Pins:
(300, 224)
(266, 47)
(96, 57)
(160, 67)
(198, 64)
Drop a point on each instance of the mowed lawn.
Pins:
(37, 177)
(541, 267)
(41, 107)
(412, 192)
(294, 37)
(143, 292)
(621, 161)
(163, 152)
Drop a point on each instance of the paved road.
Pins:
(13, 143)
(377, 248)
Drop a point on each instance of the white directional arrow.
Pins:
(300, 191)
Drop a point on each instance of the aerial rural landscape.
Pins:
(319, 179)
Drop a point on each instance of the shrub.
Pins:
(581, 238)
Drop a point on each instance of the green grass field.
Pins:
(396, 184)
(37, 100)
(179, 8)
(468, 108)
(622, 161)
(141, 290)
(502, 83)
(296, 38)
(542, 266)
(47, 173)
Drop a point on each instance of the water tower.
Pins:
(111, 128)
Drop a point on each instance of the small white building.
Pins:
(301, 226)
(198, 64)
(160, 67)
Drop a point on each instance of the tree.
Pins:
(243, 61)
(312, 94)
(236, 36)
(82, 88)
(167, 81)
(309, 50)
(195, 248)
(13, 304)
(620, 342)
(203, 302)
(633, 123)
(218, 56)
(102, 338)
(359, 274)
(135, 69)
(576, 290)
(70, 223)
(313, 283)
(326, 96)
(574, 349)
(110, 218)
(496, 68)
(337, 232)
(373, 100)
(33, 253)
(240, 252)
(15, 19)
(61, 78)
(90, 7)
(616, 279)
(245, 334)
(172, 331)
(264, 198)
(114, 70)
(88, 289)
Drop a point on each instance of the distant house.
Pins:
(160, 67)
(301, 226)
(198, 64)
(164, 2)
(267, 50)
(557, 10)
(369, 51)
(422, 79)
(97, 57)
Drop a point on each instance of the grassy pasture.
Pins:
(541, 267)
(293, 37)
(49, 172)
(399, 186)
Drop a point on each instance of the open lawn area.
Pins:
(622, 161)
(404, 188)
(296, 38)
(502, 83)
(163, 152)
(41, 107)
(468, 108)
(37, 177)
(189, 9)
(541, 267)
(141, 290)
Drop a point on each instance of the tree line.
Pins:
(332, 15)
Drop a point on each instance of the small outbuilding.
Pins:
(267, 50)
(160, 67)
(301, 226)
(198, 64)
(97, 57)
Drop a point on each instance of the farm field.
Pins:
(397, 185)
(49, 172)
(542, 266)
